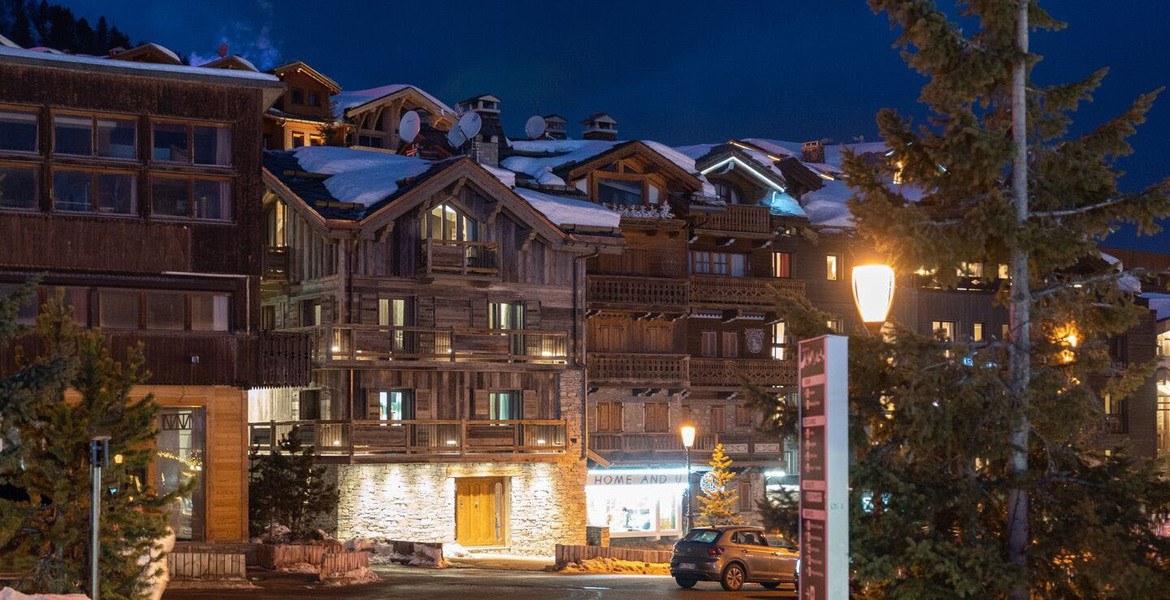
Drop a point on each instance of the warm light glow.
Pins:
(688, 435)
(451, 442)
(336, 348)
(873, 291)
(1069, 337)
(117, 459)
(541, 442)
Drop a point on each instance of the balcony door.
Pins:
(447, 222)
(479, 511)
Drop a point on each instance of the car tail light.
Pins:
(715, 551)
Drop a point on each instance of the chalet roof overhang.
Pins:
(302, 67)
(150, 52)
(339, 228)
(635, 148)
(407, 94)
(734, 158)
(231, 61)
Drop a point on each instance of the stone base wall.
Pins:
(416, 502)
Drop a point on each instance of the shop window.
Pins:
(18, 130)
(18, 187)
(657, 417)
(179, 466)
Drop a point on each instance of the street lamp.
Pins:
(873, 292)
(687, 431)
(99, 458)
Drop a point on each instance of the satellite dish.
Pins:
(469, 124)
(456, 138)
(409, 126)
(534, 127)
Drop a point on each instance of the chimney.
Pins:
(554, 127)
(485, 147)
(600, 126)
(813, 152)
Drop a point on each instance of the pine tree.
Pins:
(102, 36)
(333, 132)
(717, 505)
(21, 32)
(780, 512)
(977, 472)
(286, 488)
(68, 391)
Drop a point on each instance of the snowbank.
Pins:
(11, 594)
(360, 176)
(615, 566)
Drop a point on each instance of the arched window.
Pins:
(445, 222)
(727, 192)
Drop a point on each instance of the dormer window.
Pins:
(298, 97)
(727, 193)
(445, 222)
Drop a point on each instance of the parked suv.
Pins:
(732, 556)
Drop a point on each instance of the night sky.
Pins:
(676, 71)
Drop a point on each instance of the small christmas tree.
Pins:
(45, 462)
(287, 489)
(717, 504)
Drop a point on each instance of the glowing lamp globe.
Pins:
(688, 435)
(873, 291)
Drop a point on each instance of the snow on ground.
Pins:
(131, 65)
(360, 176)
(562, 210)
(11, 594)
(355, 98)
(615, 565)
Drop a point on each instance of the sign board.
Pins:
(824, 468)
(618, 478)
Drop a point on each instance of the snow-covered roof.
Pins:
(833, 152)
(1159, 303)
(222, 62)
(7, 42)
(563, 210)
(827, 206)
(360, 176)
(148, 47)
(146, 69)
(546, 156)
(356, 98)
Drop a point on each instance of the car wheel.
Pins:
(685, 583)
(771, 584)
(733, 577)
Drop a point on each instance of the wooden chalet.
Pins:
(446, 315)
(129, 189)
(297, 117)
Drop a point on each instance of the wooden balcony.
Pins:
(639, 370)
(720, 291)
(376, 346)
(739, 219)
(668, 446)
(407, 441)
(457, 257)
(277, 263)
(729, 372)
(635, 292)
(283, 359)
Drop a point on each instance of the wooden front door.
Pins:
(479, 511)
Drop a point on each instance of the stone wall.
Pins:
(416, 502)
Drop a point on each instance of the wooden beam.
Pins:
(527, 240)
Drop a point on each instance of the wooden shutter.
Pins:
(718, 421)
(656, 417)
(730, 344)
(372, 405)
(743, 416)
(530, 408)
(710, 347)
(745, 497)
(423, 407)
(532, 314)
(604, 422)
(481, 400)
(479, 313)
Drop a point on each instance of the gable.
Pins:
(635, 153)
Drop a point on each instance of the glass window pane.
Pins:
(170, 142)
(213, 145)
(166, 311)
(620, 192)
(76, 298)
(170, 197)
(119, 310)
(209, 312)
(179, 464)
(18, 187)
(72, 190)
(117, 193)
(117, 138)
(73, 135)
(213, 200)
(18, 130)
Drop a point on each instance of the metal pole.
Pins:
(690, 500)
(99, 448)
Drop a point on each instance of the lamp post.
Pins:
(873, 293)
(687, 431)
(99, 457)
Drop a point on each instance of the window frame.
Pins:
(36, 112)
(833, 273)
(191, 179)
(94, 117)
(37, 185)
(95, 173)
(191, 125)
(781, 262)
(97, 308)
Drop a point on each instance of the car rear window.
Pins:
(705, 536)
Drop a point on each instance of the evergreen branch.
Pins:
(1079, 283)
(1047, 214)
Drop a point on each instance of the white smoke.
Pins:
(253, 41)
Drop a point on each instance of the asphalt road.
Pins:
(482, 584)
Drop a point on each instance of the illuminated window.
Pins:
(505, 315)
(780, 340)
(1004, 272)
(395, 405)
(504, 406)
(835, 325)
(945, 329)
(727, 192)
(898, 167)
(445, 222)
(782, 265)
(298, 139)
(1115, 421)
(833, 267)
(972, 270)
(977, 332)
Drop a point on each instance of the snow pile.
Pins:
(696, 151)
(11, 594)
(780, 203)
(555, 153)
(603, 565)
(570, 211)
(826, 206)
(382, 553)
(355, 98)
(455, 550)
(133, 66)
(360, 176)
(354, 577)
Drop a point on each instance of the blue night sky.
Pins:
(677, 71)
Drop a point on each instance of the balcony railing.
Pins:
(740, 219)
(396, 440)
(718, 290)
(464, 258)
(729, 372)
(375, 344)
(610, 443)
(639, 369)
(615, 291)
(276, 263)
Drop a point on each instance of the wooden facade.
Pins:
(155, 239)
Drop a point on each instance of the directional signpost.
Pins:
(824, 468)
